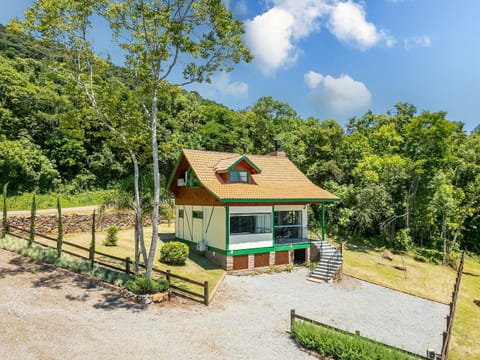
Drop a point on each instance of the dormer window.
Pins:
(239, 176)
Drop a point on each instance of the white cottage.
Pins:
(244, 211)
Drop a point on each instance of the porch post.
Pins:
(323, 221)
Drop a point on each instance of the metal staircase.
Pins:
(330, 263)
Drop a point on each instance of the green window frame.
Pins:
(239, 176)
(197, 214)
(181, 213)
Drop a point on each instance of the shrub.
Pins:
(174, 253)
(112, 236)
(142, 285)
(333, 344)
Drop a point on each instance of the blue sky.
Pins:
(337, 59)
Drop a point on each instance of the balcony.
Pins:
(290, 234)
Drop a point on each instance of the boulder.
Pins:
(387, 255)
(400, 267)
(160, 297)
(476, 302)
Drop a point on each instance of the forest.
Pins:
(405, 177)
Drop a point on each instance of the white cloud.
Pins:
(349, 24)
(222, 83)
(342, 96)
(313, 79)
(269, 37)
(417, 41)
(273, 36)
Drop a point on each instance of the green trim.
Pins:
(228, 201)
(177, 165)
(220, 251)
(192, 180)
(227, 227)
(273, 225)
(268, 249)
(323, 221)
(197, 214)
(247, 160)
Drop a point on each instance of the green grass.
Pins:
(430, 281)
(341, 346)
(49, 201)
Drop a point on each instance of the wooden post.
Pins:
(205, 293)
(292, 318)
(127, 265)
(323, 221)
(168, 275)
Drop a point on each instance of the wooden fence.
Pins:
(294, 316)
(124, 265)
(453, 305)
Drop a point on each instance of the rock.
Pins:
(387, 255)
(476, 302)
(400, 267)
(160, 297)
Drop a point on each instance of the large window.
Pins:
(250, 224)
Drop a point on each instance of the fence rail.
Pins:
(453, 306)
(294, 316)
(176, 289)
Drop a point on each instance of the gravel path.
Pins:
(47, 315)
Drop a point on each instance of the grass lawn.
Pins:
(430, 281)
(196, 268)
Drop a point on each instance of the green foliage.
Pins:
(141, 285)
(403, 241)
(340, 346)
(174, 253)
(4, 211)
(111, 238)
(33, 212)
(59, 229)
(91, 253)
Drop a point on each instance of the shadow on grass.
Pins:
(357, 247)
(202, 261)
(470, 274)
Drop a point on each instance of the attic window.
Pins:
(191, 179)
(239, 176)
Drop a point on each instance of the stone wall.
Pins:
(47, 224)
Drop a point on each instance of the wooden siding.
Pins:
(240, 262)
(262, 260)
(282, 258)
(194, 196)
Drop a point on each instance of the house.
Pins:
(244, 211)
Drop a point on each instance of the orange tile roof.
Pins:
(279, 180)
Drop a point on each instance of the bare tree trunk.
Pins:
(139, 239)
(444, 237)
(156, 184)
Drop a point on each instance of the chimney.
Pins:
(278, 149)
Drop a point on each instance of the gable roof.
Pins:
(279, 180)
(225, 165)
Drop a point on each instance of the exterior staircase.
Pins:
(330, 263)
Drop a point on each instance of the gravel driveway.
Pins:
(45, 314)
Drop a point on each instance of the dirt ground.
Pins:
(45, 314)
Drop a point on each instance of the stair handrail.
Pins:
(335, 256)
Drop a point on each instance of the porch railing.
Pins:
(290, 234)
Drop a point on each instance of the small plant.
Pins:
(254, 272)
(273, 269)
(112, 236)
(174, 253)
(289, 267)
(142, 285)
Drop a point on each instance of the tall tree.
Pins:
(161, 40)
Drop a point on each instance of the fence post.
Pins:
(168, 275)
(127, 265)
(205, 293)
(292, 318)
